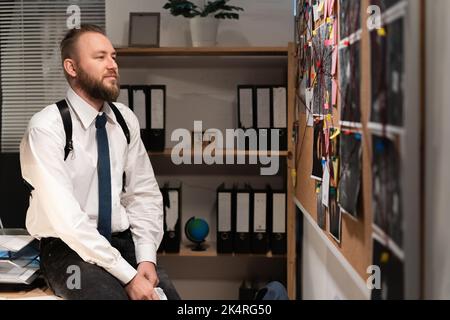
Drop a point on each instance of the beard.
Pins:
(96, 88)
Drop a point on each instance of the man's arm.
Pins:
(142, 199)
(42, 163)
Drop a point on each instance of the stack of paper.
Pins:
(19, 259)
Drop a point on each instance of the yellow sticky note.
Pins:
(317, 188)
(381, 32)
(385, 257)
(336, 133)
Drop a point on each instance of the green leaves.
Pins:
(213, 6)
(187, 9)
(182, 8)
(225, 10)
(224, 15)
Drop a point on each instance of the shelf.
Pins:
(211, 251)
(200, 65)
(204, 51)
(168, 152)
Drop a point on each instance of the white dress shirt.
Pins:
(64, 202)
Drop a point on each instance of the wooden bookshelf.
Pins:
(255, 57)
(211, 251)
(168, 152)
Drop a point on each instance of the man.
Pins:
(98, 212)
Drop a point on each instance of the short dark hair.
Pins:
(69, 41)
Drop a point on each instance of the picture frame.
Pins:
(144, 29)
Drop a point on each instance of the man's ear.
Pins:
(70, 67)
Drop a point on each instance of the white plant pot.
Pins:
(204, 31)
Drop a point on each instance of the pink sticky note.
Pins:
(327, 140)
(334, 61)
(328, 43)
(335, 32)
(334, 92)
(326, 106)
(330, 7)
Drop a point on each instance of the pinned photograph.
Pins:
(388, 74)
(386, 179)
(321, 211)
(318, 147)
(335, 216)
(350, 17)
(350, 173)
(350, 81)
(322, 61)
(390, 286)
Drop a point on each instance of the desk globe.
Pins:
(196, 230)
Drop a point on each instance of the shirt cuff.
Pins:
(146, 252)
(123, 271)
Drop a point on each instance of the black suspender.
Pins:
(67, 122)
(121, 121)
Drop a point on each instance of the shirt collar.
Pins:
(85, 112)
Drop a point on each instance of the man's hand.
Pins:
(141, 287)
(148, 270)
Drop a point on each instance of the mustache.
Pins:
(112, 74)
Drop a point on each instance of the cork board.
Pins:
(356, 240)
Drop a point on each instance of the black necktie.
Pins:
(104, 179)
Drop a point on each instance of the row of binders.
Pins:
(251, 221)
(149, 104)
(259, 107)
(263, 108)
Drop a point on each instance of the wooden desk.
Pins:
(43, 293)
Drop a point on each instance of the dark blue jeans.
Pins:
(57, 261)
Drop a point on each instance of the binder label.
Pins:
(263, 110)
(243, 212)
(172, 212)
(224, 212)
(279, 213)
(157, 109)
(279, 108)
(260, 211)
(246, 108)
(139, 107)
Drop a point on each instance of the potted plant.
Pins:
(204, 19)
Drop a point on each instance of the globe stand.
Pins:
(199, 247)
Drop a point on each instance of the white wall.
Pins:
(437, 259)
(326, 275)
(263, 23)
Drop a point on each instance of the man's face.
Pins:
(97, 71)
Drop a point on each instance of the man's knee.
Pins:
(85, 281)
(166, 284)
